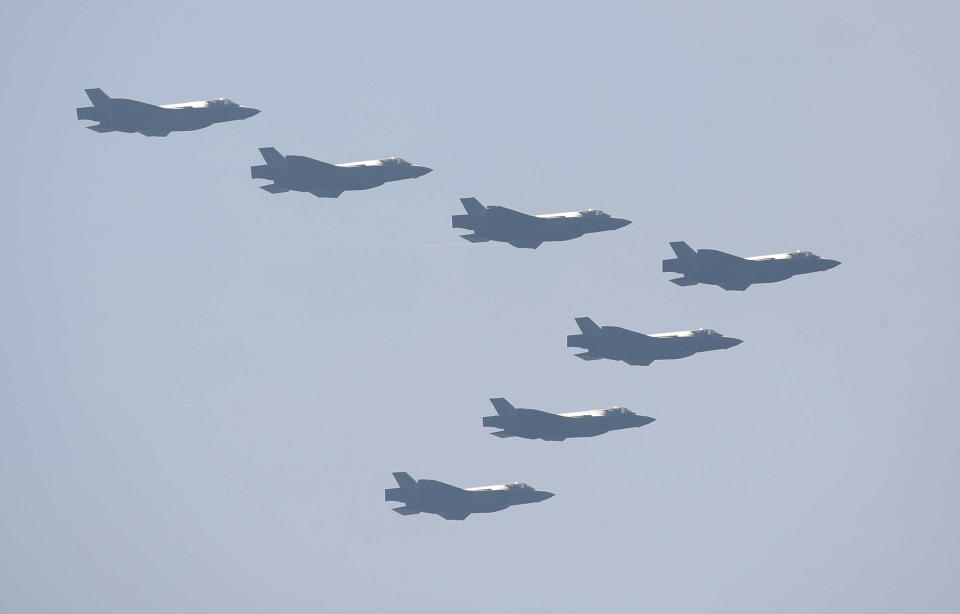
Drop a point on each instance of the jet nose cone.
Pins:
(620, 222)
(423, 170)
(733, 342)
(249, 112)
(543, 495)
(829, 264)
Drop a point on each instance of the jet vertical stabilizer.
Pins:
(505, 413)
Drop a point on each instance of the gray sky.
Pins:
(206, 387)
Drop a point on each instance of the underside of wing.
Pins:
(454, 515)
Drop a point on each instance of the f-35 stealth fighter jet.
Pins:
(536, 424)
(123, 115)
(452, 503)
(496, 223)
(635, 348)
(325, 180)
(709, 266)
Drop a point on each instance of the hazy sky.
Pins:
(206, 387)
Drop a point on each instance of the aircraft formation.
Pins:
(486, 223)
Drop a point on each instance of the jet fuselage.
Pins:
(633, 348)
(453, 503)
(710, 266)
(536, 424)
(303, 174)
(125, 115)
(496, 223)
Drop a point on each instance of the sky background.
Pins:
(205, 387)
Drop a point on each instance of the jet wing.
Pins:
(505, 214)
(716, 257)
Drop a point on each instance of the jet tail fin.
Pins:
(97, 97)
(404, 480)
(685, 257)
(473, 206)
(503, 406)
(271, 155)
(587, 326)
(682, 250)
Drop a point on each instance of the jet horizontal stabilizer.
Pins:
(100, 128)
(463, 221)
(501, 434)
(406, 510)
(587, 356)
(273, 188)
(683, 281)
(474, 238)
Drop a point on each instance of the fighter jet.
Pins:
(709, 266)
(123, 115)
(496, 223)
(635, 348)
(452, 503)
(536, 424)
(325, 180)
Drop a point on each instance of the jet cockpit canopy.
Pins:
(225, 102)
(594, 213)
(519, 485)
(395, 162)
(706, 331)
(804, 254)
